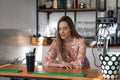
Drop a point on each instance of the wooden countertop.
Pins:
(92, 74)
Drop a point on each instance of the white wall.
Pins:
(54, 17)
(18, 14)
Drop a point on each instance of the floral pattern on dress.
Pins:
(76, 56)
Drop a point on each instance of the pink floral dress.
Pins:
(76, 56)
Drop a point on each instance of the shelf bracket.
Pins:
(48, 15)
(75, 16)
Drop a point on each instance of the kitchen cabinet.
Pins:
(93, 6)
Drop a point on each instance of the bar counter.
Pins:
(91, 74)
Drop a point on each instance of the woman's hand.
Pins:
(65, 65)
(61, 65)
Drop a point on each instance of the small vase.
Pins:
(110, 64)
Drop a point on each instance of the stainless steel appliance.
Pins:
(118, 35)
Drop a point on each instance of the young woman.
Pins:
(68, 49)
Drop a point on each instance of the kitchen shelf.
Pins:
(67, 10)
(82, 9)
(51, 10)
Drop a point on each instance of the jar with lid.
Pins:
(49, 4)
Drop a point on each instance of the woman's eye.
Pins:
(59, 29)
(65, 28)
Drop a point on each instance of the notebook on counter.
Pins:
(61, 73)
(3, 69)
(10, 70)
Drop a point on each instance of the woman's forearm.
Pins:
(51, 64)
(60, 65)
(54, 64)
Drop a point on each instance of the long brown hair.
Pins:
(74, 33)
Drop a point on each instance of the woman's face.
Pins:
(64, 30)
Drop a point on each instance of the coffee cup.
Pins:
(30, 61)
